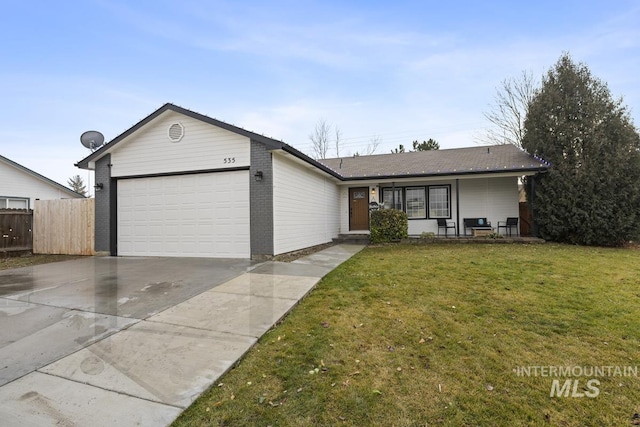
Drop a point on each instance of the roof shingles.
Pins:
(457, 161)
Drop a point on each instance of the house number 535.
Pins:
(229, 160)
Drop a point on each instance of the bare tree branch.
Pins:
(320, 139)
(337, 142)
(509, 110)
(373, 145)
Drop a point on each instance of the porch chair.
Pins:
(509, 224)
(443, 223)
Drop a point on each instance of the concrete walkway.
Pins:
(148, 371)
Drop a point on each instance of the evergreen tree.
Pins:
(400, 149)
(591, 194)
(77, 184)
(431, 144)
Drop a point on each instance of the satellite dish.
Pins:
(92, 139)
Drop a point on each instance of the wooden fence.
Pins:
(15, 230)
(64, 226)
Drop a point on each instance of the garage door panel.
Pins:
(204, 215)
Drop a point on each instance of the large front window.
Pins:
(428, 202)
(392, 199)
(439, 206)
(416, 206)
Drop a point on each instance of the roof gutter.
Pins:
(452, 173)
(289, 149)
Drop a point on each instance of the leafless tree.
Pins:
(338, 140)
(373, 145)
(371, 148)
(509, 110)
(320, 139)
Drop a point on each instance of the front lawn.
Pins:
(445, 335)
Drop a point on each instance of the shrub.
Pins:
(388, 225)
(494, 236)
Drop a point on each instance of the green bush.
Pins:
(428, 235)
(494, 235)
(388, 225)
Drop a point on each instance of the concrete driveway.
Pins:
(134, 341)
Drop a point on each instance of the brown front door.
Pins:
(359, 208)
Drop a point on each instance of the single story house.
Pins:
(179, 183)
(20, 187)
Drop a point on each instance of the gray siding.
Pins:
(103, 205)
(261, 202)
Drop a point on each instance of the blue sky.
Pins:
(401, 70)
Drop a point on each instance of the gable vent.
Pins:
(176, 132)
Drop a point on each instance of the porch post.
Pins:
(393, 192)
(534, 226)
(457, 207)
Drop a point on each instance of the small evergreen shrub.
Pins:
(388, 225)
(428, 235)
(494, 236)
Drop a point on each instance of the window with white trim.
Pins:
(14, 203)
(439, 202)
(416, 204)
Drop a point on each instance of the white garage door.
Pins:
(200, 215)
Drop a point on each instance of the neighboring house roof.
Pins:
(457, 161)
(40, 177)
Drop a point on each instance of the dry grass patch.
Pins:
(29, 260)
(432, 335)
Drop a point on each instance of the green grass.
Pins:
(431, 335)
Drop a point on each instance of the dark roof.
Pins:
(40, 177)
(457, 161)
(269, 142)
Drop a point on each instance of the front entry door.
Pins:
(359, 208)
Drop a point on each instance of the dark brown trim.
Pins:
(448, 198)
(272, 144)
(156, 175)
(403, 190)
(113, 217)
(442, 174)
(289, 149)
(426, 201)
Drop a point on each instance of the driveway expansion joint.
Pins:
(164, 345)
